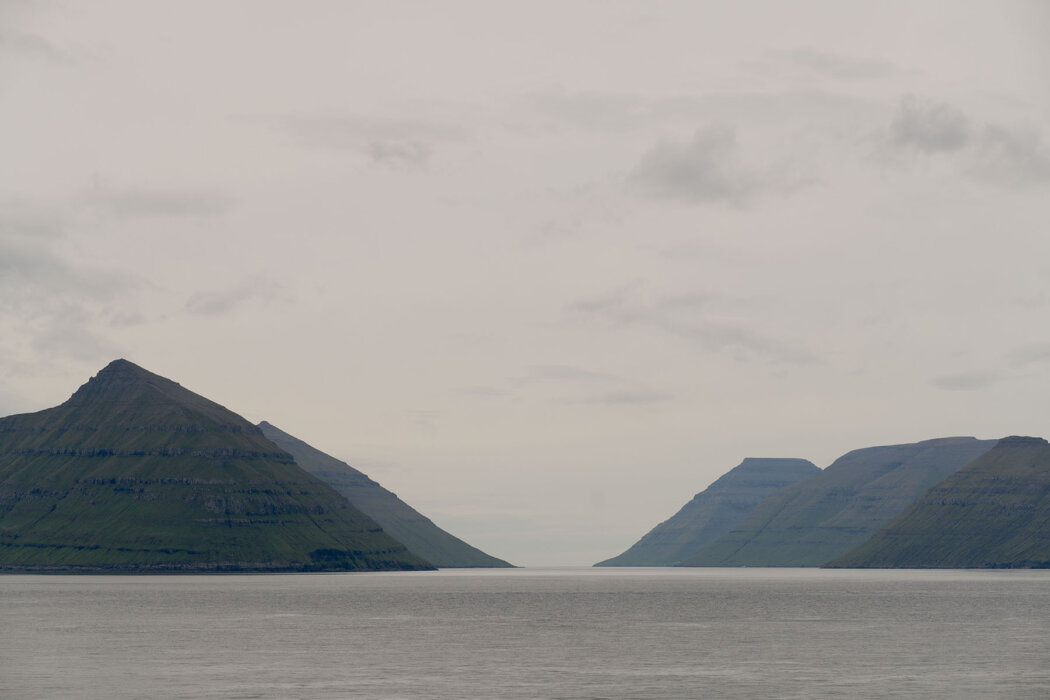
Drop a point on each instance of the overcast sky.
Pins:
(543, 269)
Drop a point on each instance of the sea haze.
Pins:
(522, 633)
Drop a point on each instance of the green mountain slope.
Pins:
(827, 515)
(995, 512)
(398, 519)
(713, 512)
(136, 473)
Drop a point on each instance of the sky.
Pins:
(545, 270)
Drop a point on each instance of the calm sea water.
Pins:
(588, 633)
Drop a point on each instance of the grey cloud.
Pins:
(32, 46)
(218, 303)
(1030, 354)
(35, 280)
(396, 142)
(1012, 156)
(597, 387)
(705, 169)
(165, 203)
(833, 65)
(929, 127)
(485, 392)
(621, 111)
(68, 335)
(691, 317)
(598, 110)
(631, 398)
(992, 153)
(966, 381)
(570, 373)
(398, 153)
(126, 319)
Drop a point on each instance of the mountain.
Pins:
(135, 473)
(822, 517)
(994, 512)
(398, 519)
(713, 512)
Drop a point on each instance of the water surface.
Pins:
(524, 633)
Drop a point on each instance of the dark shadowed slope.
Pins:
(136, 473)
(713, 512)
(995, 512)
(399, 519)
(827, 515)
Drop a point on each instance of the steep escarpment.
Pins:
(136, 473)
(714, 511)
(995, 512)
(400, 520)
(827, 515)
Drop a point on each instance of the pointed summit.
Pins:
(138, 393)
(136, 473)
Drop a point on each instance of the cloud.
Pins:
(1012, 156)
(1038, 353)
(32, 46)
(929, 127)
(69, 335)
(392, 142)
(992, 153)
(597, 387)
(34, 278)
(691, 317)
(832, 65)
(222, 302)
(630, 398)
(570, 373)
(967, 381)
(165, 203)
(705, 169)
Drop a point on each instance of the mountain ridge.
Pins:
(992, 513)
(817, 519)
(136, 473)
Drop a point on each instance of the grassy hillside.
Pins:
(136, 473)
(713, 512)
(827, 515)
(398, 519)
(995, 512)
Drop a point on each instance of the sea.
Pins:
(530, 633)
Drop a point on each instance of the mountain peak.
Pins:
(136, 392)
(136, 473)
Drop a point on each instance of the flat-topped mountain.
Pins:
(136, 473)
(714, 511)
(815, 520)
(398, 519)
(994, 512)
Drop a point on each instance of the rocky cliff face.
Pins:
(713, 512)
(136, 473)
(816, 520)
(398, 519)
(995, 512)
